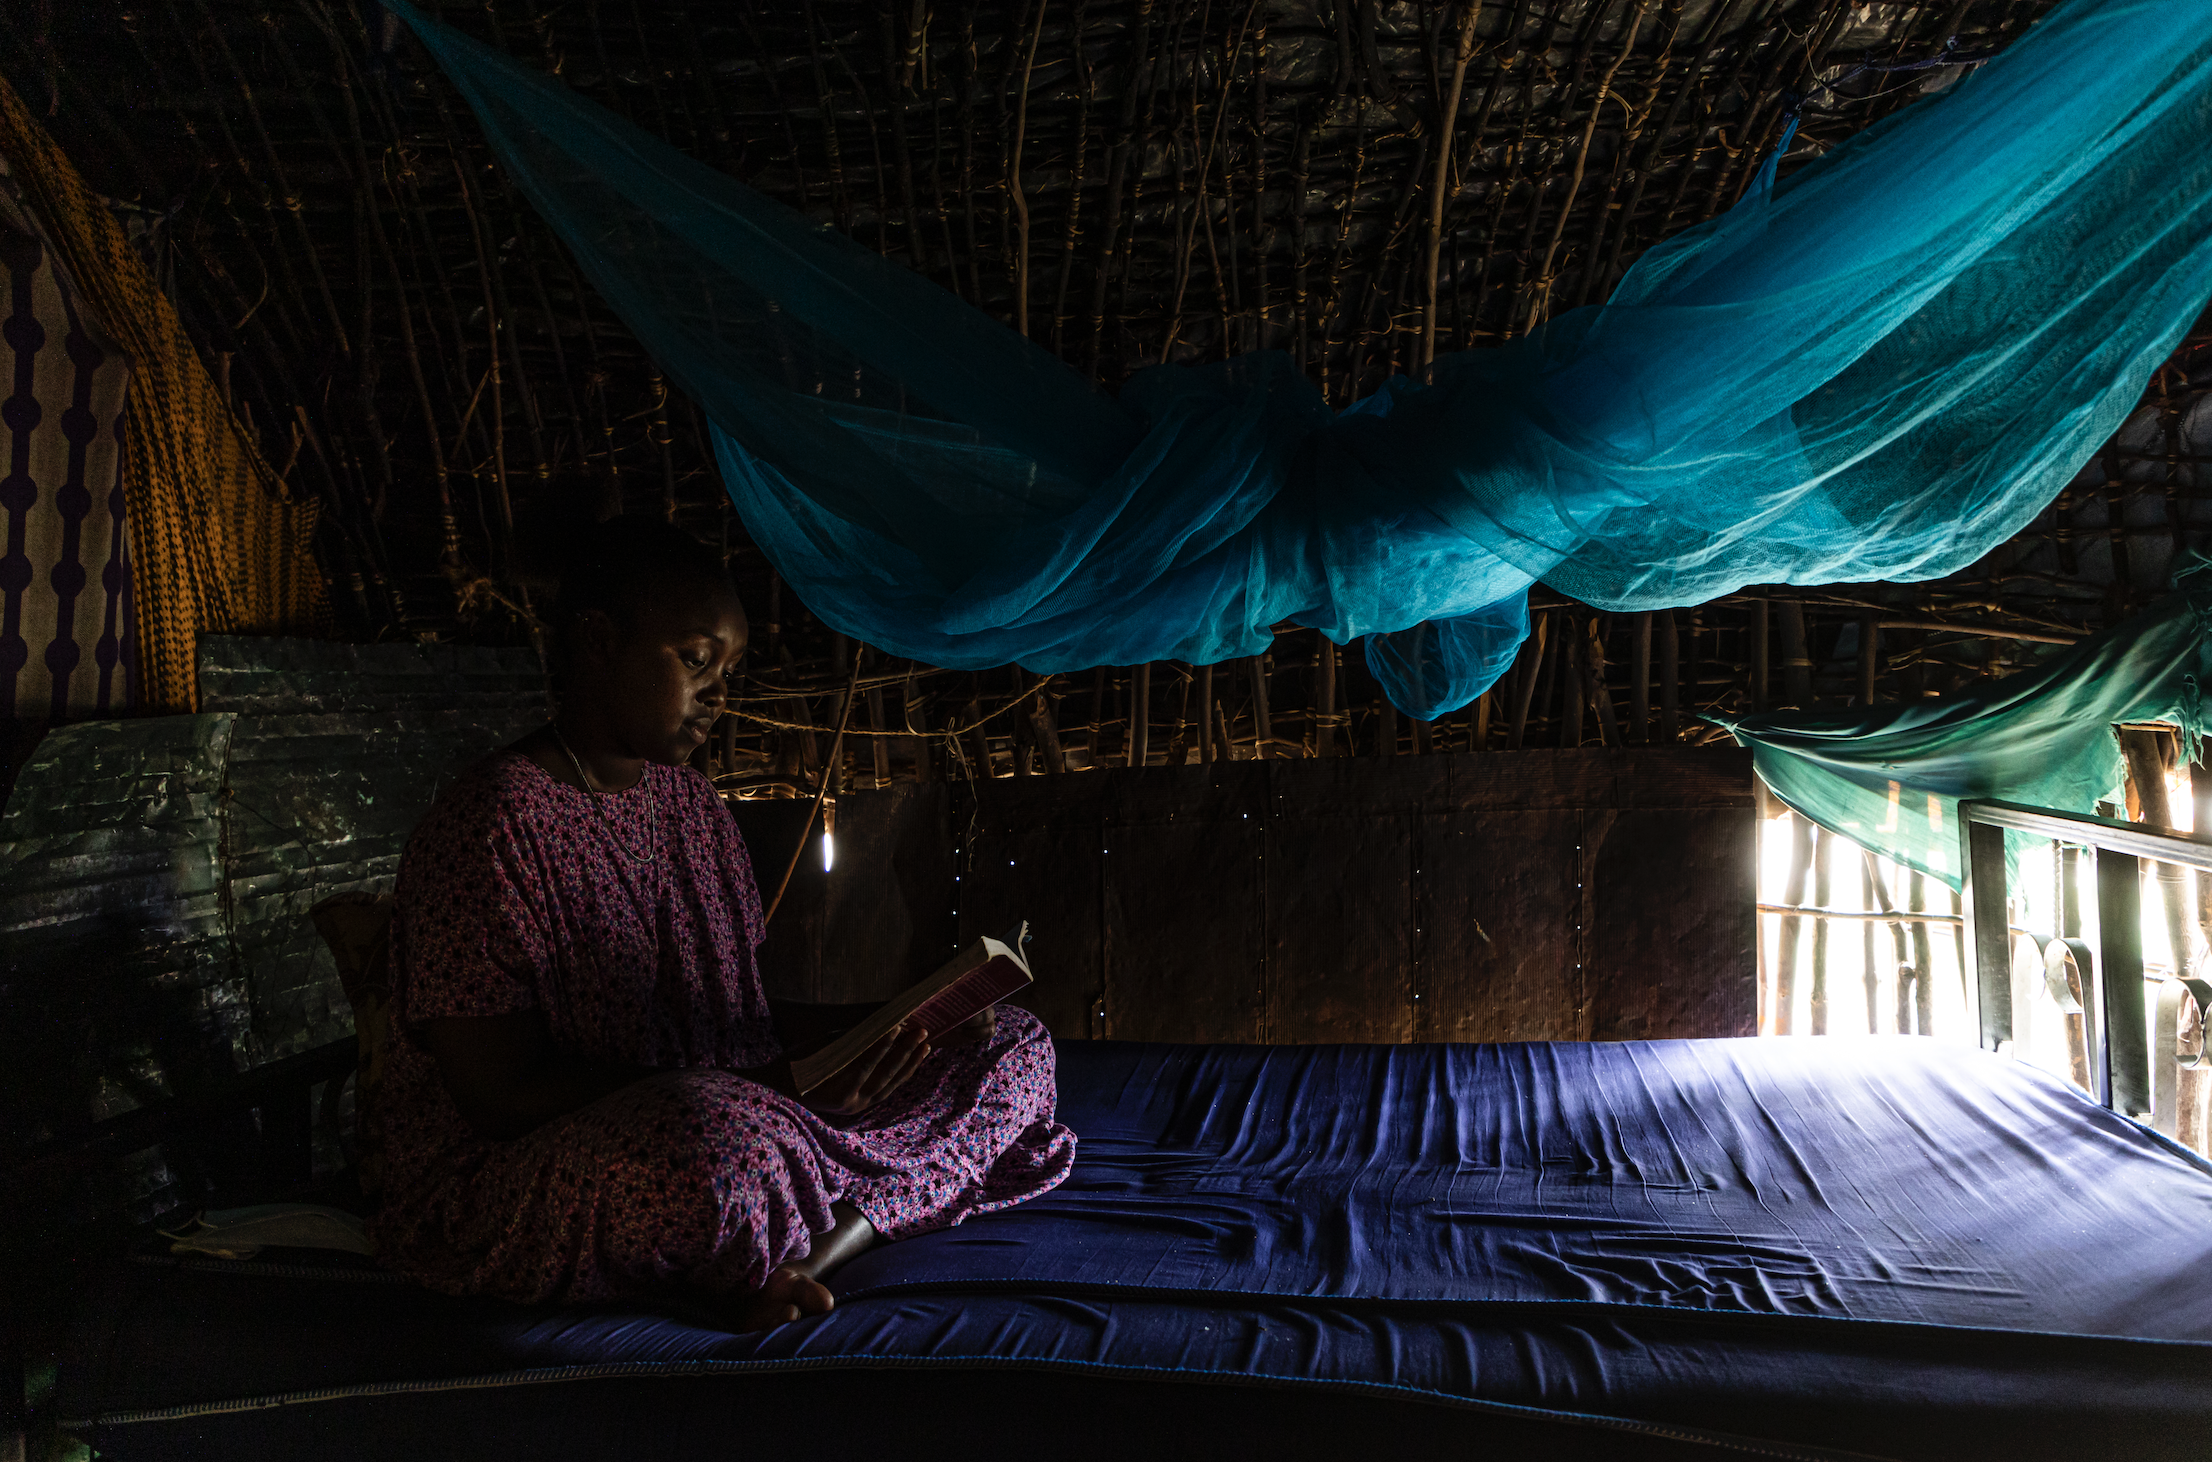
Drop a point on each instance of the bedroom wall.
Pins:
(1554, 895)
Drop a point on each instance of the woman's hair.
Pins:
(610, 567)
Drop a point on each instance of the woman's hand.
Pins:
(976, 1029)
(873, 1075)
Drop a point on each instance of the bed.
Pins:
(1678, 1248)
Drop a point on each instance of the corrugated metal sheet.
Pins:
(155, 875)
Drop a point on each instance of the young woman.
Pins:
(587, 1094)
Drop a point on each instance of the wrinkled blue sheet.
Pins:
(1893, 1245)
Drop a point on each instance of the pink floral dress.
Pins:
(515, 894)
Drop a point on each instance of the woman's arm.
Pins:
(507, 1076)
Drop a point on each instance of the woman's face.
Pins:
(656, 678)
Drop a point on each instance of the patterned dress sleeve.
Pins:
(471, 931)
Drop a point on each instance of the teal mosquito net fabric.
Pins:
(1877, 368)
(1890, 778)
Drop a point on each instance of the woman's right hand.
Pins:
(873, 1075)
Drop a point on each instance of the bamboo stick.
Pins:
(1263, 728)
(1140, 715)
(1206, 737)
(1761, 655)
(1463, 54)
(1824, 860)
(1870, 664)
(1324, 703)
(1047, 730)
(1797, 665)
(1529, 671)
(1786, 945)
(1601, 695)
(1639, 705)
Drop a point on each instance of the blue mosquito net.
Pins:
(1876, 368)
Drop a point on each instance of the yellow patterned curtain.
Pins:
(218, 546)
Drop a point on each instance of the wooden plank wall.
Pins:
(1538, 895)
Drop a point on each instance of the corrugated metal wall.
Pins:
(155, 874)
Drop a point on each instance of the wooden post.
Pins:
(2120, 980)
(879, 744)
(1221, 726)
(1797, 665)
(1421, 742)
(1594, 683)
(1093, 751)
(1870, 652)
(841, 666)
(1762, 654)
(1573, 688)
(1178, 750)
(1639, 704)
(1824, 862)
(925, 769)
(1793, 925)
(1923, 957)
(1670, 680)
(1524, 690)
(1262, 726)
(979, 745)
(1140, 714)
(1324, 695)
(1481, 743)
(1046, 727)
(1386, 728)
(1989, 978)
(1206, 715)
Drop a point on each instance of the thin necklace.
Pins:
(652, 855)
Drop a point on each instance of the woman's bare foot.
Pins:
(795, 1290)
(790, 1294)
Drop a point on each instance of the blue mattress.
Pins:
(1887, 1247)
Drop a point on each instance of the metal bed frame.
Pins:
(2135, 1068)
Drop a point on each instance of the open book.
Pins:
(977, 978)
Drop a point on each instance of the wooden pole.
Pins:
(1870, 652)
(1785, 950)
(1140, 715)
(1093, 750)
(1386, 728)
(1206, 715)
(1824, 867)
(845, 666)
(1670, 680)
(1324, 695)
(1797, 665)
(1762, 654)
(1481, 741)
(1601, 694)
(1524, 691)
(1463, 52)
(1639, 705)
(1573, 690)
(1047, 730)
(2148, 755)
(1262, 726)
(879, 743)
